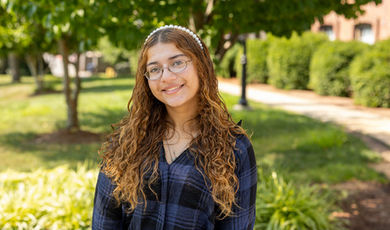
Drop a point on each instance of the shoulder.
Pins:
(105, 184)
(244, 152)
(242, 141)
(243, 146)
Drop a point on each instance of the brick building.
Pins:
(370, 27)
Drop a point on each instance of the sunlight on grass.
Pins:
(303, 149)
(297, 147)
(298, 158)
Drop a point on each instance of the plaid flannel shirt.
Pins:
(183, 199)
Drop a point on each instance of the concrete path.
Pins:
(368, 121)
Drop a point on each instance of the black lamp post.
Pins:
(243, 103)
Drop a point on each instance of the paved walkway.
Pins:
(374, 122)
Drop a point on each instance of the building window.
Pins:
(328, 30)
(364, 33)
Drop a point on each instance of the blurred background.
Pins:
(67, 71)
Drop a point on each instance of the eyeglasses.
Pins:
(155, 72)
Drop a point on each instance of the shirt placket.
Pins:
(164, 174)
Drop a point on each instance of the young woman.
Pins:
(177, 161)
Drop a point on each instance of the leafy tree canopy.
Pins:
(220, 22)
(126, 23)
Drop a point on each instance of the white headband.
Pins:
(176, 27)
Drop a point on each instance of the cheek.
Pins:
(197, 83)
(152, 87)
(195, 79)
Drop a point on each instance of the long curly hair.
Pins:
(132, 150)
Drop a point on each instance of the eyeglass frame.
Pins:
(162, 71)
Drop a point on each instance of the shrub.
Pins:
(370, 76)
(288, 60)
(124, 61)
(257, 51)
(62, 198)
(282, 206)
(329, 68)
(226, 68)
(128, 65)
(133, 60)
(58, 198)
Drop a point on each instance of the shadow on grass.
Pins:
(9, 83)
(301, 148)
(307, 150)
(43, 154)
(107, 88)
(103, 120)
(98, 78)
(45, 92)
(49, 155)
(101, 85)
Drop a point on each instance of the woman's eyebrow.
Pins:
(152, 63)
(170, 58)
(176, 56)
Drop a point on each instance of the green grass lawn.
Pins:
(299, 148)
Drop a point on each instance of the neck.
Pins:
(182, 119)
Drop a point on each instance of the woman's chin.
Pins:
(174, 104)
(182, 104)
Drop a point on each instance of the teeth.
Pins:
(171, 89)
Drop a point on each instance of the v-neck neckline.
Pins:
(162, 156)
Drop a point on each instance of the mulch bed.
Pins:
(367, 206)
(45, 92)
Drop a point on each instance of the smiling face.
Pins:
(175, 90)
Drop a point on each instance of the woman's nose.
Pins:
(167, 75)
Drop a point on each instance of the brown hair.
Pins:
(132, 150)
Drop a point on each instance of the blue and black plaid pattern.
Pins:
(183, 199)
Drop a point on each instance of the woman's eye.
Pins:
(178, 63)
(154, 70)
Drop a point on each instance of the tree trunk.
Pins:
(14, 66)
(200, 18)
(32, 62)
(77, 79)
(3, 65)
(197, 21)
(72, 122)
(221, 49)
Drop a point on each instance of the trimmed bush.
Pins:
(226, 68)
(288, 60)
(282, 206)
(329, 68)
(58, 198)
(370, 76)
(257, 51)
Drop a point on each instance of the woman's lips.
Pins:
(172, 90)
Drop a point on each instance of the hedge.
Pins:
(288, 60)
(329, 68)
(257, 51)
(370, 76)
